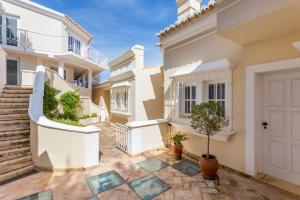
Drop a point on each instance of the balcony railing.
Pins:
(49, 44)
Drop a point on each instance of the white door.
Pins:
(281, 131)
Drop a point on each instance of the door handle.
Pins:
(265, 125)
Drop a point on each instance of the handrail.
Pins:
(53, 44)
(35, 110)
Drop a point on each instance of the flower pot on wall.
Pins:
(209, 166)
(178, 148)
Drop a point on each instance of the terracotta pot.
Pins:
(209, 166)
(178, 151)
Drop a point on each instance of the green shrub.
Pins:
(67, 121)
(86, 116)
(94, 115)
(71, 105)
(50, 103)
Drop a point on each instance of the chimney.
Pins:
(186, 8)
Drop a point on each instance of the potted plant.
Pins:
(178, 138)
(208, 119)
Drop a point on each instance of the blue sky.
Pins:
(117, 25)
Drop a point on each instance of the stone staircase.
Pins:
(15, 154)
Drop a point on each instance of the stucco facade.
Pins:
(53, 40)
(136, 91)
(218, 35)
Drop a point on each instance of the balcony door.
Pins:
(8, 30)
(11, 31)
(12, 72)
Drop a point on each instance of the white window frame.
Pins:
(120, 100)
(75, 45)
(4, 27)
(202, 96)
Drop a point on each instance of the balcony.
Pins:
(48, 44)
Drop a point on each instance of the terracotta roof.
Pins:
(179, 24)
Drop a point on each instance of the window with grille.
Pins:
(216, 93)
(74, 45)
(187, 99)
(120, 100)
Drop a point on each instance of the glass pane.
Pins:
(221, 90)
(211, 91)
(222, 105)
(193, 92)
(70, 43)
(187, 107)
(12, 72)
(187, 92)
(11, 31)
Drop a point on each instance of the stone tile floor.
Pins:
(73, 185)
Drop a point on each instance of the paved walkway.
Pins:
(73, 185)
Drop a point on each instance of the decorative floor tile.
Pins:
(152, 165)
(45, 195)
(187, 167)
(105, 181)
(149, 187)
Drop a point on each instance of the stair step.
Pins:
(13, 111)
(10, 157)
(8, 163)
(17, 170)
(9, 117)
(14, 105)
(9, 152)
(14, 133)
(14, 100)
(20, 127)
(8, 91)
(13, 137)
(14, 122)
(14, 96)
(14, 146)
(16, 87)
(10, 144)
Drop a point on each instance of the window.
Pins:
(74, 45)
(120, 100)
(11, 31)
(187, 99)
(65, 74)
(216, 92)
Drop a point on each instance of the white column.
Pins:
(61, 69)
(90, 79)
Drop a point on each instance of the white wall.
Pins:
(47, 34)
(2, 68)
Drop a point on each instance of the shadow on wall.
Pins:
(154, 108)
(44, 160)
(114, 119)
(164, 130)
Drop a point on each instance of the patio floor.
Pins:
(73, 185)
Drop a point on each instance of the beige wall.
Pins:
(149, 94)
(215, 47)
(101, 98)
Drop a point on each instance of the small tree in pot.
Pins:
(178, 138)
(208, 119)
